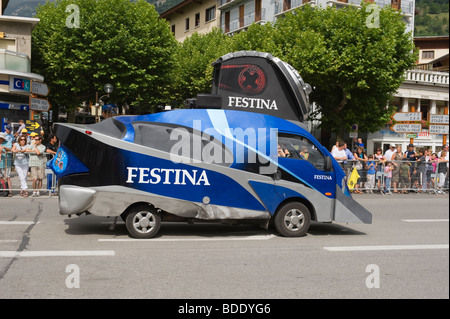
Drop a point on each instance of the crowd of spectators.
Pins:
(27, 154)
(416, 169)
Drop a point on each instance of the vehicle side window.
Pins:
(111, 127)
(181, 141)
(301, 148)
(153, 135)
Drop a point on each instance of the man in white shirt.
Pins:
(390, 152)
(339, 153)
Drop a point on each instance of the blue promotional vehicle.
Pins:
(217, 164)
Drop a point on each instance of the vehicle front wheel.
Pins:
(292, 220)
(143, 222)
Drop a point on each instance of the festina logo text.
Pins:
(145, 175)
(327, 177)
(252, 103)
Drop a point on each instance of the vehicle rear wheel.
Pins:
(292, 220)
(143, 222)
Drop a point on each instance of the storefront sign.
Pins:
(14, 106)
(17, 84)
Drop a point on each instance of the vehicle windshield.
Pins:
(301, 148)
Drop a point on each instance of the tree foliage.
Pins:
(192, 71)
(258, 37)
(119, 42)
(431, 18)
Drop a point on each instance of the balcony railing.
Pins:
(248, 19)
(223, 2)
(14, 61)
(280, 6)
(344, 3)
(428, 77)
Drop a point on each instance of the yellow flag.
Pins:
(353, 179)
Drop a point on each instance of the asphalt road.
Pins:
(403, 254)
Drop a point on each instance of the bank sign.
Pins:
(17, 84)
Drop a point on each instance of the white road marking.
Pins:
(258, 237)
(8, 240)
(386, 247)
(17, 222)
(424, 220)
(57, 253)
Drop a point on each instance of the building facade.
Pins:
(433, 52)
(424, 91)
(15, 67)
(236, 15)
(192, 16)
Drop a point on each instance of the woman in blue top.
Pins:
(371, 170)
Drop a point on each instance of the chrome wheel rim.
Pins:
(144, 222)
(294, 219)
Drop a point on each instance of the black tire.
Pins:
(292, 220)
(143, 222)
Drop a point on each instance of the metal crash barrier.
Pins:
(396, 176)
(7, 168)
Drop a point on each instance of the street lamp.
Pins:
(107, 88)
(108, 110)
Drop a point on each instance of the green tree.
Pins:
(116, 41)
(354, 68)
(192, 72)
(435, 26)
(431, 18)
(258, 37)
